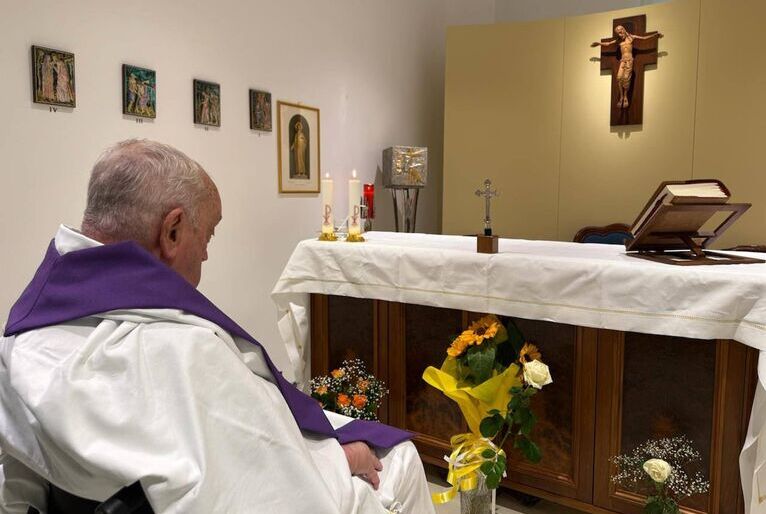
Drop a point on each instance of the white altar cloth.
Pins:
(589, 285)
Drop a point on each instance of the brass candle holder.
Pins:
(355, 238)
(328, 236)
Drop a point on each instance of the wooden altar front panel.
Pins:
(582, 416)
(658, 386)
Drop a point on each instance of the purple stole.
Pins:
(125, 276)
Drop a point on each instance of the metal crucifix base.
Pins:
(405, 208)
(486, 244)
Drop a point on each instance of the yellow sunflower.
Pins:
(459, 345)
(529, 353)
(484, 328)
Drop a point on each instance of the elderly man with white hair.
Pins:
(115, 369)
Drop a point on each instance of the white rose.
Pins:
(537, 374)
(658, 470)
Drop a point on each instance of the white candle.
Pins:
(354, 200)
(327, 217)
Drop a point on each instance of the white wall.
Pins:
(374, 68)
(528, 10)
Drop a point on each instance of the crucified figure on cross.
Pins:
(487, 193)
(625, 71)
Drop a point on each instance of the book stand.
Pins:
(672, 235)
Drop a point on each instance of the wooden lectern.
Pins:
(672, 233)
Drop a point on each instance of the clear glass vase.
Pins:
(477, 501)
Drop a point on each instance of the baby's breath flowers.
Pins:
(350, 390)
(664, 470)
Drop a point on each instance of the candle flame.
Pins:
(327, 175)
(353, 173)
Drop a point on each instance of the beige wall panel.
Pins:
(608, 173)
(502, 121)
(731, 112)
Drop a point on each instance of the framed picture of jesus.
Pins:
(207, 103)
(139, 91)
(260, 110)
(53, 77)
(298, 145)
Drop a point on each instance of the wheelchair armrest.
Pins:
(128, 500)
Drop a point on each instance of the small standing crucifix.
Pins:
(488, 194)
(626, 55)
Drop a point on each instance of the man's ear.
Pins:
(170, 234)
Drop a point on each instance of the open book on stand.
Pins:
(681, 219)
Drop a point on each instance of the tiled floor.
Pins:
(505, 503)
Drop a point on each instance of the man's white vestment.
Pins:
(172, 400)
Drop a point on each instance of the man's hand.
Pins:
(362, 462)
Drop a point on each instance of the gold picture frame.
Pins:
(298, 143)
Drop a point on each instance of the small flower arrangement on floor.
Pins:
(350, 390)
(492, 374)
(663, 470)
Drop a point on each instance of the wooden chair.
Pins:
(614, 234)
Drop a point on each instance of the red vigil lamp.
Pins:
(369, 204)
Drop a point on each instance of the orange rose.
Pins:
(338, 373)
(321, 389)
(343, 400)
(360, 401)
(363, 384)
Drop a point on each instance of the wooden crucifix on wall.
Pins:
(626, 55)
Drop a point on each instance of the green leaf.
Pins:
(491, 425)
(487, 468)
(528, 424)
(502, 460)
(488, 454)
(501, 336)
(493, 481)
(481, 362)
(519, 415)
(533, 453)
(515, 402)
(653, 507)
(529, 449)
(463, 371)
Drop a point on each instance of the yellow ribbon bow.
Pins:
(464, 463)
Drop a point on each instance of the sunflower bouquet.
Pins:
(350, 390)
(492, 374)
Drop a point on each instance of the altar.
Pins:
(637, 349)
